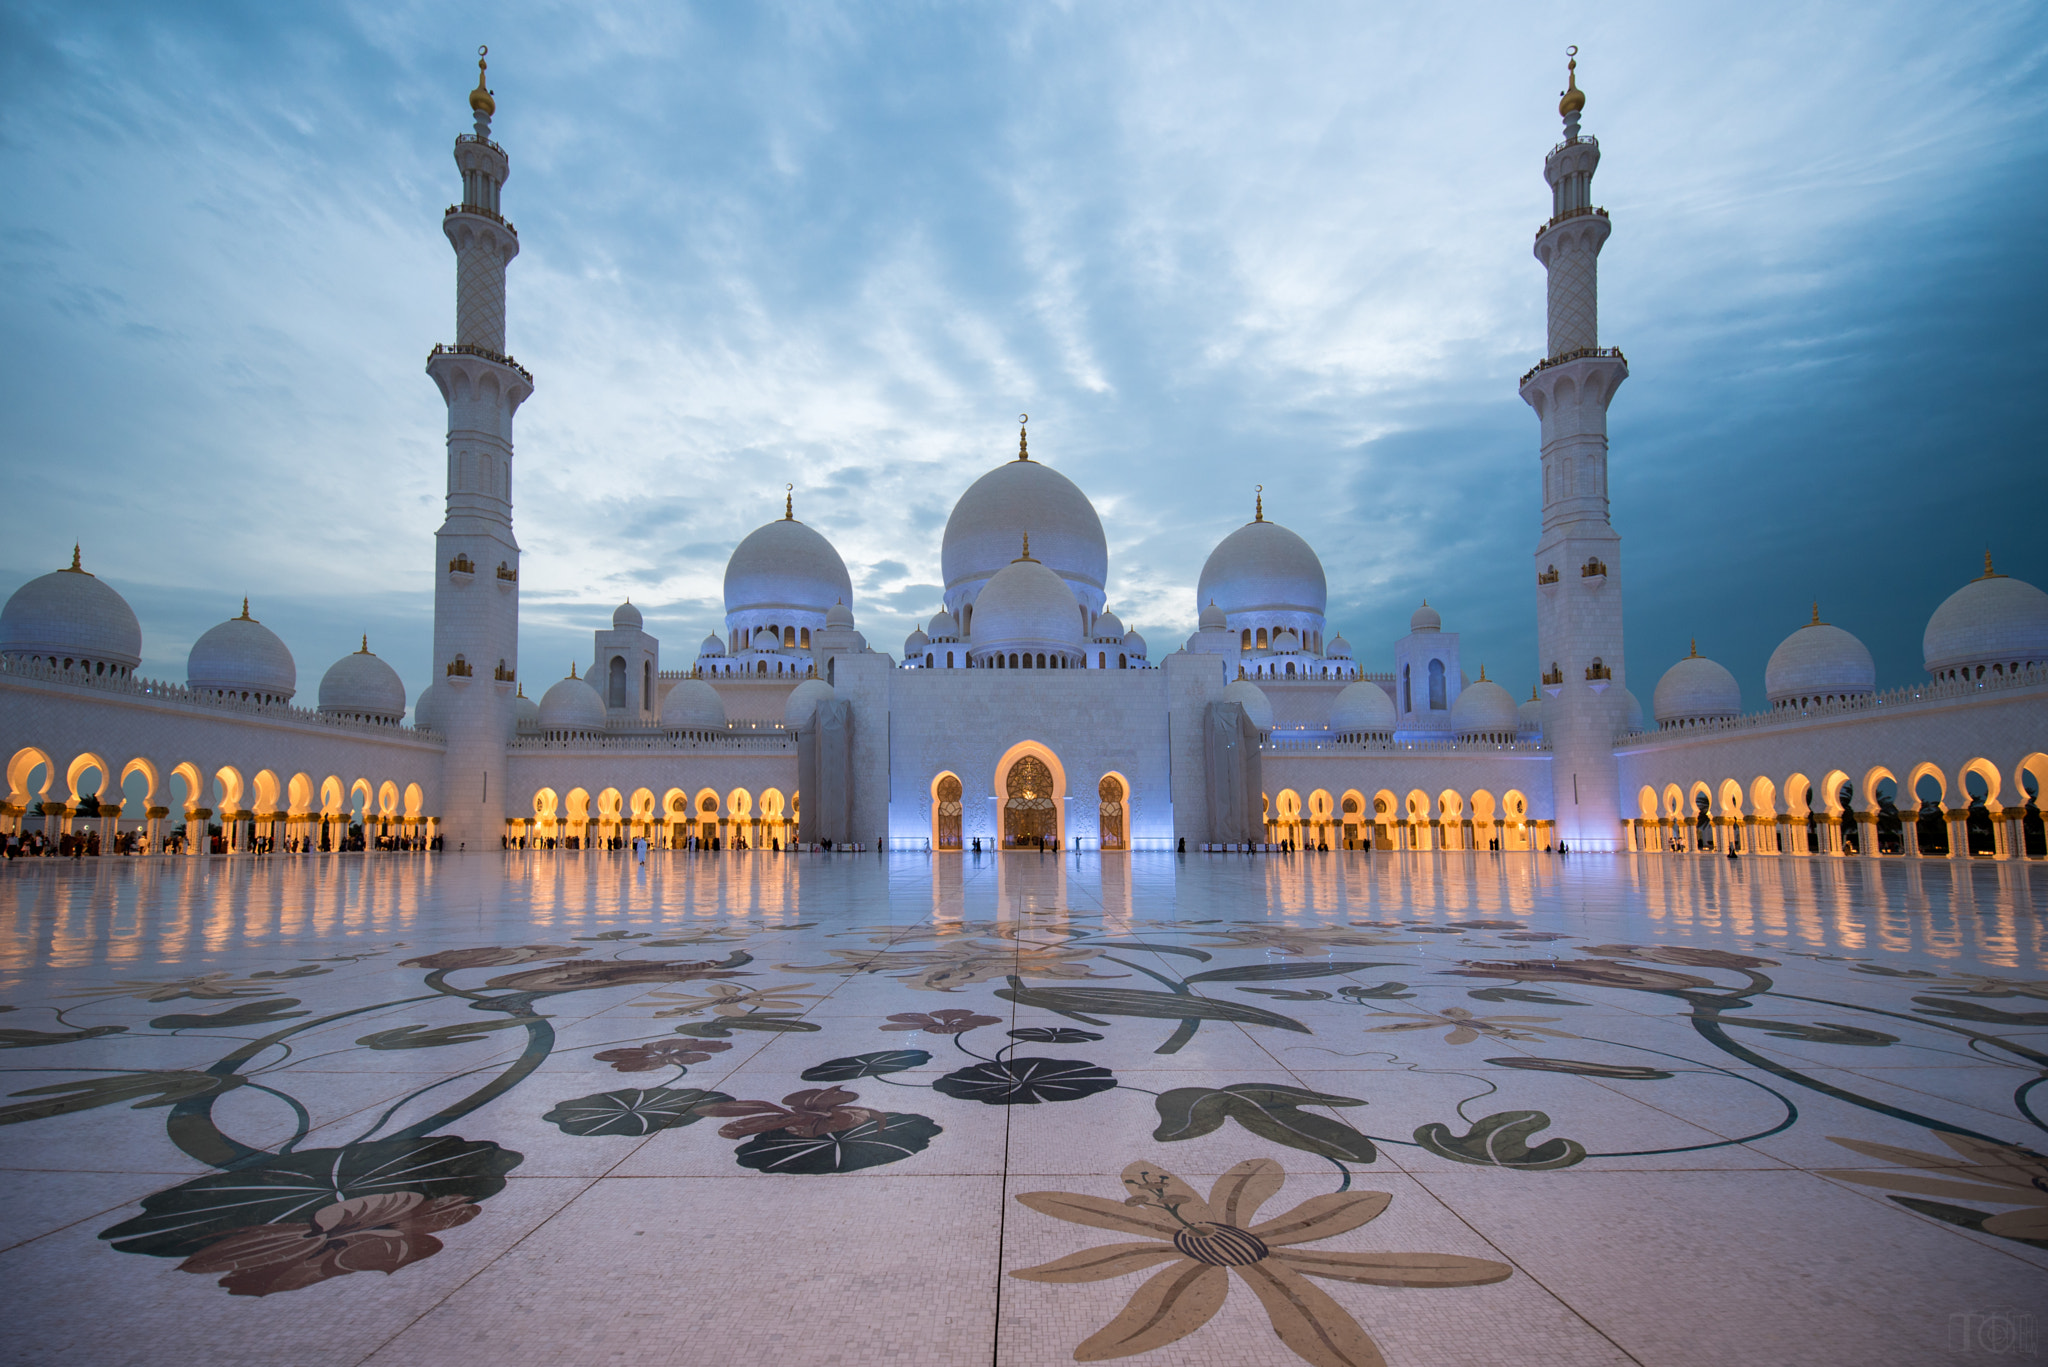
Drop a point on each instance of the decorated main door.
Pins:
(1030, 816)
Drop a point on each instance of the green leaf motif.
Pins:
(266, 1012)
(143, 1089)
(1290, 994)
(632, 1111)
(34, 1039)
(302, 971)
(1620, 1072)
(283, 1188)
(1076, 1002)
(1501, 1140)
(1961, 1215)
(1385, 992)
(1269, 1110)
(1820, 1032)
(723, 1026)
(434, 1036)
(1958, 1009)
(1520, 994)
(866, 1065)
(1196, 954)
(1026, 1081)
(888, 1138)
(1275, 973)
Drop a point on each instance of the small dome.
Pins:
(1019, 498)
(1696, 689)
(71, 615)
(839, 615)
(1362, 709)
(1338, 648)
(361, 685)
(1287, 642)
(1256, 705)
(693, 705)
(1213, 618)
(1484, 708)
(1134, 644)
(525, 715)
(915, 643)
(1263, 567)
(1819, 662)
(625, 615)
(1026, 604)
(426, 708)
(942, 627)
(710, 646)
(1995, 620)
(803, 702)
(1426, 618)
(1531, 714)
(1632, 711)
(571, 704)
(764, 639)
(239, 656)
(785, 565)
(1108, 627)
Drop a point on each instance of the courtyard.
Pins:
(1339, 1108)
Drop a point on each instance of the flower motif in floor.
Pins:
(667, 1053)
(1580, 973)
(379, 1233)
(1202, 1243)
(730, 999)
(1464, 1027)
(1975, 1170)
(940, 1022)
(491, 956)
(807, 1114)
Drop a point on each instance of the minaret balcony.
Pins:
(485, 353)
(1584, 353)
(1564, 217)
(505, 222)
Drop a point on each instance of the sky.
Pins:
(1205, 246)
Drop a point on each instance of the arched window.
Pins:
(928, 660)
(646, 683)
(1246, 644)
(805, 638)
(1290, 669)
(1013, 659)
(761, 667)
(1437, 700)
(789, 638)
(1102, 659)
(967, 620)
(949, 659)
(1123, 662)
(1262, 638)
(615, 694)
(1407, 693)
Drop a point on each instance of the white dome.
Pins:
(998, 510)
(1338, 648)
(915, 643)
(1286, 642)
(1213, 618)
(1026, 605)
(942, 627)
(239, 656)
(839, 615)
(1263, 567)
(1108, 627)
(1362, 708)
(1134, 644)
(71, 615)
(785, 565)
(1995, 620)
(803, 700)
(693, 705)
(711, 645)
(1696, 689)
(1256, 705)
(361, 685)
(1485, 708)
(426, 708)
(1426, 618)
(1531, 714)
(525, 715)
(764, 639)
(1819, 662)
(1632, 711)
(626, 615)
(571, 704)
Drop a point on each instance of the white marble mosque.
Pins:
(1026, 710)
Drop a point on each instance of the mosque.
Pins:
(1026, 712)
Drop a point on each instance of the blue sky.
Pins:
(1205, 246)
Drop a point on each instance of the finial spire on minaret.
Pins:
(1023, 447)
(789, 503)
(1572, 99)
(480, 101)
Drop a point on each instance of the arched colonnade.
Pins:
(1416, 820)
(736, 819)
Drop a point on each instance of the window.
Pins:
(1123, 662)
(789, 638)
(1102, 659)
(928, 660)
(646, 683)
(1013, 660)
(949, 659)
(1437, 701)
(615, 695)
(1246, 644)
(804, 638)
(1407, 693)
(1262, 638)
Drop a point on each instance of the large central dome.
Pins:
(784, 566)
(1263, 568)
(1011, 501)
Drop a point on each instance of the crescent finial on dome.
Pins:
(1023, 446)
(1574, 99)
(480, 98)
(789, 503)
(1259, 503)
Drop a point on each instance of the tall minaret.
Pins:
(1578, 558)
(476, 560)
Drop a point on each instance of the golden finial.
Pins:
(1482, 674)
(522, 690)
(1027, 550)
(572, 669)
(245, 617)
(480, 98)
(1532, 694)
(1816, 622)
(366, 644)
(1574, 98)
(1990, 573)
(76, 567)
(1258, 503)
(1695, 649)
(789, 503)
(1023, 447)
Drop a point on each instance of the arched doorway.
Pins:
(946, 812)
(1030, 811)
(1114, 814)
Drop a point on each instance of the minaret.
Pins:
(1578, 558)
(476, 560)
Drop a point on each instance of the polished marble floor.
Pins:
(1342, 1109)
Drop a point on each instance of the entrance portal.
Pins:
(948, 810)
(1030, 815)
(1111, 792)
